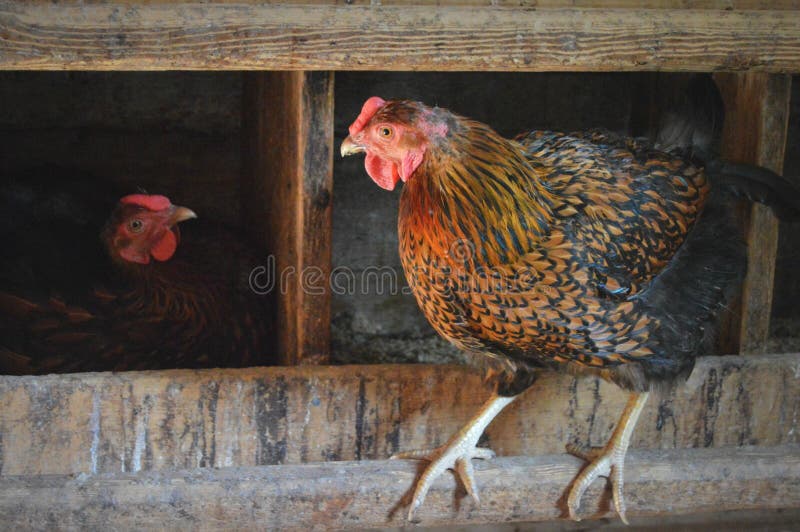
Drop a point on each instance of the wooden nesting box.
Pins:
(275, 447)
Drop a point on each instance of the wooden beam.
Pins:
(181, 419)
(756, 121)
(457, 36)
(288, 161)
(345, 495)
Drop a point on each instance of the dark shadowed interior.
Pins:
(180, 134)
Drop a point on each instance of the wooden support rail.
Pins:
(425, 35)
(170, 420)
(366, 494)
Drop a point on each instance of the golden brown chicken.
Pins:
(588, 252)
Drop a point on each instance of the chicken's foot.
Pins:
(456, 454)
(607, 461)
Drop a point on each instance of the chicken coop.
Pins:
(237, 110)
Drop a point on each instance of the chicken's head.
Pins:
(144, 226)
(395, 135)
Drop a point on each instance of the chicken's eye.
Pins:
(136, 225)
(385, 132)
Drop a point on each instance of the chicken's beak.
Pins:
(181, 214)
(349, 147)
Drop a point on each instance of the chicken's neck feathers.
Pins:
(477, 191)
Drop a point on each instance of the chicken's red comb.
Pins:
(369, 109)
(152, 202)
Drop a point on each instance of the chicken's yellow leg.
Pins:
(457, 453)
(607, 461)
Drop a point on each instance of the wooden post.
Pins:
(756, 119)
(288, 179)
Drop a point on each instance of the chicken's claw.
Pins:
(604, 462)
(456, 454)
(608, 461)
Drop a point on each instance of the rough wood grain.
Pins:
(330, 36)
(130, 422)
(366, 494)
(756, 121)
(288, 180)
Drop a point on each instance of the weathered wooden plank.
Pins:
(366, 494)
(181, 419)
(330, 36)
(288, 160)
(756, 121)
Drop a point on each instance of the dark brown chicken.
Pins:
(589, 252)
(82, 294)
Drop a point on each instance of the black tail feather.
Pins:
(692, 124)
(758, 184)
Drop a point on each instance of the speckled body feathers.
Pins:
(588, 252)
